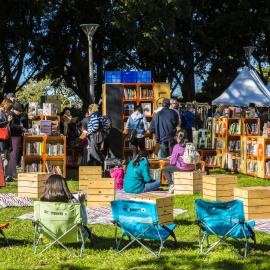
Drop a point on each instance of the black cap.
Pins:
(18, 107)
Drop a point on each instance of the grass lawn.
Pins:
(19, 255)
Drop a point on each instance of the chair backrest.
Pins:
(126, 211)
(232, 211)
(57, 218)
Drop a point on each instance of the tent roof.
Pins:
(245, 89)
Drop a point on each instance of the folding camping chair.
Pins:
(224, 220)
(138, 221)
(4, 226)
(59, 223)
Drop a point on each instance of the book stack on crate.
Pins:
(34, 148)
(164, 205)
(100, 192)
(219, 187)
(55, 149)
(256, 201)
(31, 184)
(187, 182)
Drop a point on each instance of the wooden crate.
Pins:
(164, 205)
(256, 201)
(31, 184)
(219, 187)
(187, 182)
(101, 192)
(87, 173)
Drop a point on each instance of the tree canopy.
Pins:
(175, 39)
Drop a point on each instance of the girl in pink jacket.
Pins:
(118, 174)
(176, 163)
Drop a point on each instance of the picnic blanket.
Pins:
(12, 200)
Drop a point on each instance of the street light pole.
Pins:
(89, 30)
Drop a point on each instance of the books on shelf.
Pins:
(234, 146)
(55, 169)
(149, 143)
(267, 168)
(146, 93)
(55, 149)
(251, 128)
(252, 148)
(130, 93)
(235, 128)
(267, 150)
(34, 148)
(252, 166)
(211, 160)
(34, 167)
(233, 163)
(218, 143)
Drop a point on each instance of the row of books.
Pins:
(218, 143)
(149, 143)
(252, 148)
(34, 167)
(130, 93)
(155, 174)
(211, 160)
(55, 149)
(251, 128)
(267, 168)
(252, 166)
(146, 93)
(233, 163)
(234, 146)
(50, 168)
(218, 128)
(267, 150)
(34, 148)
(235, 128)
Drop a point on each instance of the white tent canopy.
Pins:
(245, 89)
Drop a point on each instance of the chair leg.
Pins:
(5, 239)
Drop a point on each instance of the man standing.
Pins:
(188, 120)
(164, 126)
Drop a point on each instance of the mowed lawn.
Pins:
(19, 255)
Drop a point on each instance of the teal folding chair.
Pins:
(138, 221)
(59, 223)
(223, 220)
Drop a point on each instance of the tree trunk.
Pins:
(188, 86)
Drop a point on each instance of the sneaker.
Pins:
(9, 179)
(171, 188)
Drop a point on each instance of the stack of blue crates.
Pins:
(128, 76)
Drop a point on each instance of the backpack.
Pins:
(191, 156)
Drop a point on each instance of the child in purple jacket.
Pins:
(176, 163)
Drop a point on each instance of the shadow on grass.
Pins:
(184, 222)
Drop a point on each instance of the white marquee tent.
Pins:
(245, 89)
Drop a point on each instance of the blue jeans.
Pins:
(151, 186)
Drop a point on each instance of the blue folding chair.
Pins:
(224, 220)
(138, 221)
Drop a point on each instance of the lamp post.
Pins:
(248, 51)
(89, 30)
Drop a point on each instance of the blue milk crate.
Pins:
(112, 76)
(129, 76)
(144, 76)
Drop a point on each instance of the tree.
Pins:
(20, 31)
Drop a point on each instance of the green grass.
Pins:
(19, 255)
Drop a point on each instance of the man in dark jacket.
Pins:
(164, 126)
(188, 122)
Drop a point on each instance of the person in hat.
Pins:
(16, 132)
(164, 126)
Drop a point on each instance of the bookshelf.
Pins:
(119, 101)
(44, 154)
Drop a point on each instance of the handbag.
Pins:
(133, 133)
(4, 133)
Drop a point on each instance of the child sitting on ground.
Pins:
(118, 174)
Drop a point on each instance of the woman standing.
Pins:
(176, 163)
(16, 131)
(136, 121)
(5, 144)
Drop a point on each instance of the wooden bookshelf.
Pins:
(119, 101)
(40, 152)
